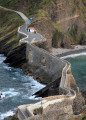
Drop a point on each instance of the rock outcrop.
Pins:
(78, 104)
(17, 57)
(50, 68)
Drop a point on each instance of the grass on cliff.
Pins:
(74, 36)
(9, 23)
(29, 7)
(38, 9)
(82, 117)
(80, 5)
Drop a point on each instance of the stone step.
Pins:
(22, 113)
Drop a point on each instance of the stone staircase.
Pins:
(53, 109)
(22, 112)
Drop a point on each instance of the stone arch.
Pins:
(43, 61)
(30, 56)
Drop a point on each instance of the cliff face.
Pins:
(66, 23)
(66, 13)
(9, 39)
(61, 22)
(70, 18)
(15, 56)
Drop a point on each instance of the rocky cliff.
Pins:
(66, 24)
(14, 54)
(63, 23)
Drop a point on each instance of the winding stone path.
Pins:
(30, 37)
(26, 111)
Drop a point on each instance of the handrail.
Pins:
(70, 91)
(63, 80)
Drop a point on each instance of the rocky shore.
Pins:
(16, 57)
(61, 52)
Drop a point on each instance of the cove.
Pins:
(78, 67)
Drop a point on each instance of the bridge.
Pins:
(49, 108)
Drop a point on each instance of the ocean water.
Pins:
(17, 89)
(78, 67)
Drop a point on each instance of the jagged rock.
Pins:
(78, 104)
(84, 94)
(63, 42)
(83, 41)
(17, 57)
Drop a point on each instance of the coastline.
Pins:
(65, 53)
(68, 52)
(79, 50)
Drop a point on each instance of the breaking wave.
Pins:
(73, 55)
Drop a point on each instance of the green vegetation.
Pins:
(30, 7)
(80, 5)
(73, 35)
(13, 118)
(9, 23)
(56, 37)
(39, 10)
(84, 2)
(82, 117)
(38, 111)
(58, 28)
(57, 34)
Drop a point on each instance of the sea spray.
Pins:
(17, 88)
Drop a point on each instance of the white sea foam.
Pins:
(2, 58)
(7, 67)
(33, 98)
(7, 114)
(2, 97)
(36, 84)
(10, 93)
(73, 55)
(14, 78)
(33, 84)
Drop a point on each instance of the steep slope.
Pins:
(9, 38)
(61, 22)
(34, 24)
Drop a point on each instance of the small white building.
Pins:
(31, 29)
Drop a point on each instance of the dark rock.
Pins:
(11, 118)
(8, 118)
(6, 47)
(78, 104)
(64, 42)
(39, 73)
(84, 94)
(83, 41)
(60, 40)
(17, 57)
(50, 90)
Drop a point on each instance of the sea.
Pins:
(78, 67)
(19, 88)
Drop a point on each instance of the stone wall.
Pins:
(44, 64)
(54, 108)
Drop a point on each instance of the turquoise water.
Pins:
(78, 67)
(16, 87)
